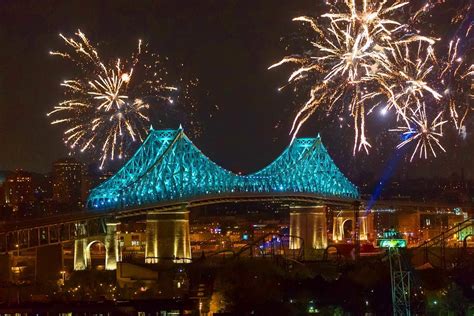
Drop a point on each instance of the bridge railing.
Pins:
(43, 235)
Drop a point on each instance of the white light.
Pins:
(125, 77)
(463, 132)
(383, 111)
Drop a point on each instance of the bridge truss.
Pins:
(169, 167)
(53, 231)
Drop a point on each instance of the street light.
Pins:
(63, 276)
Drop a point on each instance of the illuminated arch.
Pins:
(350, 228)
(87, 251)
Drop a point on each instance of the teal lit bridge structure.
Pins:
(169, 168)
(168, 176)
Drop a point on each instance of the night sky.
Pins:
(226, 44)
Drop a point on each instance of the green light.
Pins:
(391, 234)
(313, 310)
(392, 243)
(169, 167)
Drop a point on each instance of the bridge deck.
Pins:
(85, 215)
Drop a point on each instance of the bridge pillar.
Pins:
(80, 254)
(338, 228)
(345, 220)
(363, 228)
(167, 237)
(111, 246)
(308, 226)
(151, 242)
(80, 248)
(343, 228)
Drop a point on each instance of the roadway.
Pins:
(142, 210)
(283, 197)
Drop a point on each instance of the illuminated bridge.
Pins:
(168, 167)
(167, 176)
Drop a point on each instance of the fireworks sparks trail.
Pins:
(457, 76)
(426, 134)
(365, 55)
(403, 77)
(106, 105)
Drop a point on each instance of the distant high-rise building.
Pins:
(18, 188)
(67, 177)
(105, 176)
(92, 177)
(42, 187)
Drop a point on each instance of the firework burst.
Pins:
(351, 46)
(365, 55)
(107, 102)
(423, 132)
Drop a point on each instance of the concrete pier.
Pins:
(344, 225)
(111, 246)
(308, 229)
(167, 237)
(82, 254)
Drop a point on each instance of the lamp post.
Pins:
(63, 277)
